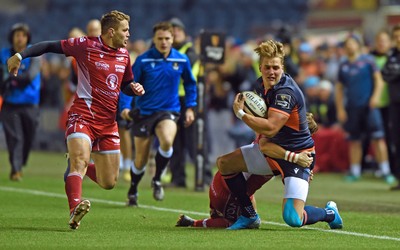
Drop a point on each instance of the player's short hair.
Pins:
(312, 125)
(19, 27)
(395, 28)
(270, 49)
(112, 20)
(166, 26)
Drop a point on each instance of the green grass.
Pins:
(38, 220)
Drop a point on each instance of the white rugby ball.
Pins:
(254, 104)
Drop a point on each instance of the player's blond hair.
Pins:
(270, 49)
(312, 124)
(112, 20)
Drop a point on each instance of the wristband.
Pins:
(291, 156)
(240, 114)
(19, 56)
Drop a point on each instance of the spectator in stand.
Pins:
(391, 74)
(360, 85)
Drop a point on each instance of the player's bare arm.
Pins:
(37, 49)
(378, 87)
(268, 127)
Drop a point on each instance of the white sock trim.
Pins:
(75, 174)
(166, 154)
(205, 222)
(137, 171)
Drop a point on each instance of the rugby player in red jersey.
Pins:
(103, 71)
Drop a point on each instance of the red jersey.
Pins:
(101, 70)
(223, 203)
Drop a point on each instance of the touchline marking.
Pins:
(55, 195)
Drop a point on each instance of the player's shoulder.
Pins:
(175, 54)
(123, 51)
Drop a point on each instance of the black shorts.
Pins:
(144, 125)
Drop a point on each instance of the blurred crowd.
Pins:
(313, 63)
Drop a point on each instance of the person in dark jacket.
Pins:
(21, 94)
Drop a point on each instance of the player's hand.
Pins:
(238, 103)
(311, 175)
(137, 88)
(13, 64)
(189, 117)
(374, 101)
(305, 159)
(125, 114)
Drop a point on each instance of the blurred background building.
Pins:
(312, 29)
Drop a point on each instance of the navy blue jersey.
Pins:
(287, 98)
(358, 80)
(160, 78)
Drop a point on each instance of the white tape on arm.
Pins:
(19, 56)
(240, 114)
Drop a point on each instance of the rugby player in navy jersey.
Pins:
(160, 70)
(286, 126)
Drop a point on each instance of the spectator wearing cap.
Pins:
(185, 135)
(357, 93)
(21, 94)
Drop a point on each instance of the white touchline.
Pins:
(55, 195)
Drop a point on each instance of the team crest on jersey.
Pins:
(175, 66)
(283, 100)
(112, 81)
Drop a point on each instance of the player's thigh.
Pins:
(166, 132)
(79, 148)
(107, 168)
(142, 150)
(232, 163)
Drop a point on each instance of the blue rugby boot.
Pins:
(337, 223)
(246, 223)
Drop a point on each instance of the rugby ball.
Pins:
(254, 104)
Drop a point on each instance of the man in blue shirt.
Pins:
(357, 92)
(159, 70)
(20, 111)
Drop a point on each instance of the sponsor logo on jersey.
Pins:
(102, 65)
(152, 65)
(112, 81)
(82, 39)
(115, 133)
(283, 100)
(120, 58)
(116, 141)
(175, 66)
(119, 68)
(71, 41)
(296, 170)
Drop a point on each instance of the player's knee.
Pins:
(108, 184)
(221, 163)
(78, 164)
(290, 215)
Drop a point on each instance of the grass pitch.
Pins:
(34, 215)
